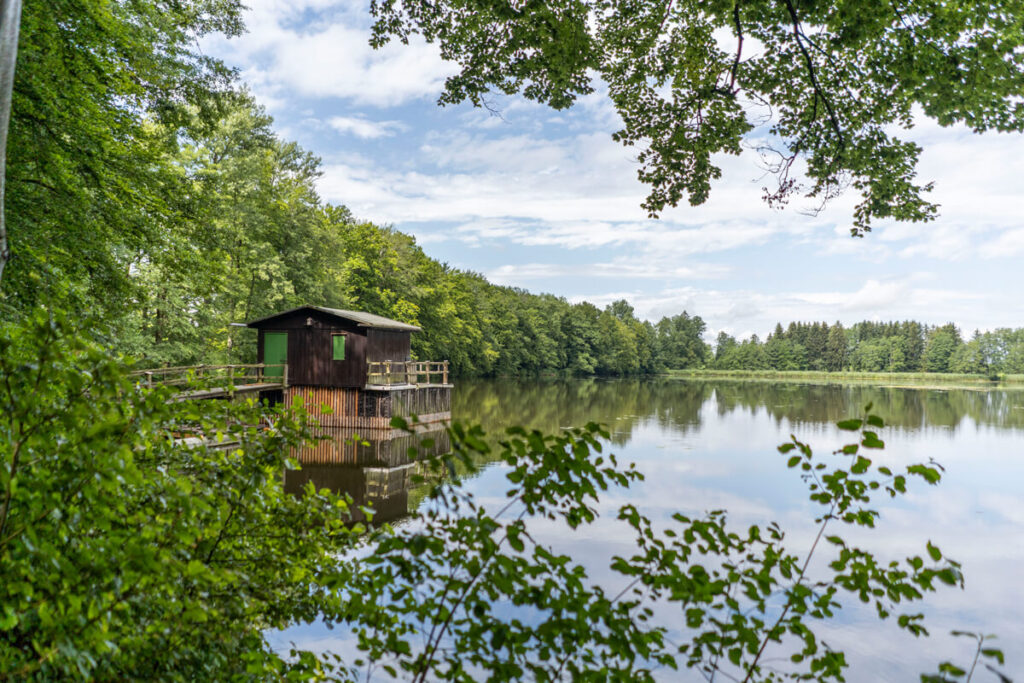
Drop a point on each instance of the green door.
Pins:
(275, 351)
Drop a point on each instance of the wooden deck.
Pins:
(388, 374)
(196, 382)
(233, 390)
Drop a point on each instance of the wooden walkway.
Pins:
(197, 382)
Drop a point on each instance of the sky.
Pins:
(546, 201)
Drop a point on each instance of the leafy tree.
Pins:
(969, 358)
(101, 92)
(10, 26)
(747, 355)
(681, 341)
(833, 84)
(942, 344)
(258, 243)
(724, 343)
(618, 352)
(582, 338)
(783, 354)
(816, 344)
(835, 348)
(913, 344)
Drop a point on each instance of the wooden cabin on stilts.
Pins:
(352, 369)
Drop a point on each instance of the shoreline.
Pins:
(910, 380)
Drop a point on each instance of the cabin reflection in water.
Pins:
(375, 469)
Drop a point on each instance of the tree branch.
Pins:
(739, 46)
(818, 92)
(799, 579)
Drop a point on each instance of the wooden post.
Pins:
(149, 379)
(444, 373)
(284, 375)
(387, 372)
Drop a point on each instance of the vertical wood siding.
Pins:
(311, 352)
(388, 345)
(370, 408)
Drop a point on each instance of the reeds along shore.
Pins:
(925, 378)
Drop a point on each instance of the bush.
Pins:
(125, 553)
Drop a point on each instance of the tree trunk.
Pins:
(10, 23)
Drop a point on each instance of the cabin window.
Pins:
(338, 342)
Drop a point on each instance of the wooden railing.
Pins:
(415, 372)
(214, 376)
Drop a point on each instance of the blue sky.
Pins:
(546, 201)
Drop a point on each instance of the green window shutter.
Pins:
(339, 346)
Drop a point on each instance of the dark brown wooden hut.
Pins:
(329, 347)
(351, 369)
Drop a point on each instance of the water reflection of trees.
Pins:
(902, 407)
(678, 404)
(550, 405)
(376, 469)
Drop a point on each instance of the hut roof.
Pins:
(359, 317)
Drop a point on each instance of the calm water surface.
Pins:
(706, 445)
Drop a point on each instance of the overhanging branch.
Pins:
(818, 92)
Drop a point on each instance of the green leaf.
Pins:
(871, 440)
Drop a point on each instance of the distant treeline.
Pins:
(906, 346)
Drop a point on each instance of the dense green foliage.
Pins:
(128, 554)
(101, 92)
(823, 87)
(907, 346)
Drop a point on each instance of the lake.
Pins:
(706, 445)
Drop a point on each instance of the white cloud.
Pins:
(329, 56)
(516, 274)
(1009, 243)
(338, 62)
(364, 128)
(572, 192)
